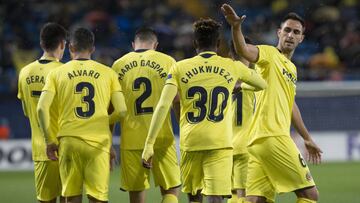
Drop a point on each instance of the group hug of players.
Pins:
(234, 115)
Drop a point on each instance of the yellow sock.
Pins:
(241, 200)
(233, 199)
(304, 200)
(169, 198)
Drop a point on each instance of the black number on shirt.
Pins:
(35, 93)
(146, 94)
(87, 99)
(238, 97)
(200, 104)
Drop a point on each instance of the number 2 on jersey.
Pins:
(139, 109)
(87, 99)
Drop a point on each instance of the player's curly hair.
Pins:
(207, 32)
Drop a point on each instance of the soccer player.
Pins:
(82, 89)
(244, 104)
(31, 81)
(275, 163)
(142, 75)
(205, 83)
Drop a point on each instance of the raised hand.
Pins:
(314, 151)
(230, 15)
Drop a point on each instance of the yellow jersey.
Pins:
(142, 75)
(83, 90)
(274, 104)
(31, 81)
(205, 83)
(244, 104)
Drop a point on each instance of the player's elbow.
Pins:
(122, 113)
(40, 110)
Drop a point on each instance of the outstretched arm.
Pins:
(298, 123)
(161, 111)
(248, 51)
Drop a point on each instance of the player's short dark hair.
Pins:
(51, 35)
(294, 16)
(206, 32)
(232, 47)
(145, 34)
(82, 39)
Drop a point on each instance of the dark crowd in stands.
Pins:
(330, 51)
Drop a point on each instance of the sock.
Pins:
(233, 199)
(169, 198)
(241, 200)
(304, 200)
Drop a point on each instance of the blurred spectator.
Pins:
(332, 23)
(4, 129)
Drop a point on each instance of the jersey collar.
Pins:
(207, 54)
(48, 59)
(140, 50)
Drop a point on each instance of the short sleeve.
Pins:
(243, 72)
(115, 85)
(173, 75)
(117, 65)
(20, 93)
(50, 82)
(264, 55)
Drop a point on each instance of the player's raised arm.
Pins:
(118, 103)
(298, 123)
(161, 111)
(248, 51)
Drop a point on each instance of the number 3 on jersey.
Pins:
(87, 99)
(201, 104)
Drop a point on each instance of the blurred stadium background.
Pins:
(328, 64)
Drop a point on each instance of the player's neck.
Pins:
(81, 55)
(200, 50)
(51, 55)
(286, 54)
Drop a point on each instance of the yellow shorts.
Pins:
(239, 171)
(276, 164)
(165, 169)
(208, 170)
(82, 164)
(47, 180)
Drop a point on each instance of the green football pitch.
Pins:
(337, 183)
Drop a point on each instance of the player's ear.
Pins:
(278, 32)
(133, 45)
(62, 44)
(155, 45)
(218, 43)
(195, 44)
(71, 48)
(92, 49)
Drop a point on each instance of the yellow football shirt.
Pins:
(205, 83)
(243, 109)
(142, 75)
(31, 81)
(274, 104)
(83, 90)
